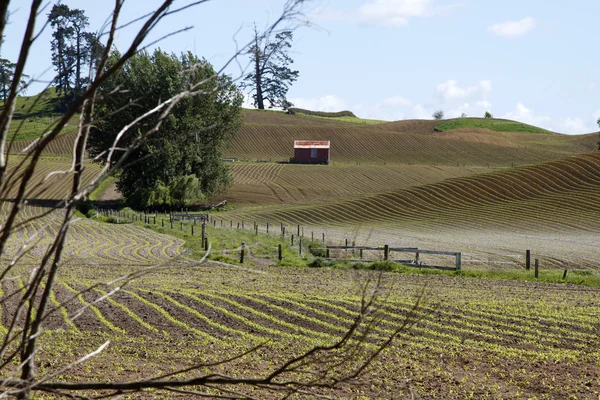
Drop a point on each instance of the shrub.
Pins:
(488, 115)
(320, 262)
(439, 114)
(316, 250)
(339, 114)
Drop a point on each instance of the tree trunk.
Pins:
(78, 65)
(259, 95)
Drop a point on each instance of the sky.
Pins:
(534, 61)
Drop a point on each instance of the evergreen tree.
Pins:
(271, 76)
(71, 47)
(62, 50)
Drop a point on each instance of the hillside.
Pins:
(557, 196)
(493, 124)
(34, 115)
(269, 136)
(266, 184)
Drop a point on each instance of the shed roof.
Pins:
(311, 144)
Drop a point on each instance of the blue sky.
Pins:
(530, 60)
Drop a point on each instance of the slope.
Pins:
(558, 196)
(269, 136)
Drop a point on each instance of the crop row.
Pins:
(42, 186)
(528, 331)
(559, 195)
(90, 242)
(297, 184)
(62, 145)
(363, 144)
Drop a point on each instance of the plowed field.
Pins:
(268, 184)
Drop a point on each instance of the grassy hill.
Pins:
(34, 115)
(493, 124)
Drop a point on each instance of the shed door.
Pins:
(313, 153)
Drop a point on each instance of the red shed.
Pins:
(311, 151)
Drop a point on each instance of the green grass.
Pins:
(97, 193)
(265, 246)
(353, 120)
(34, 115)
(498, 125)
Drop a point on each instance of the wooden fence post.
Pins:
(537, 267)
(171, 224)
(203, 233)
(458, 261)
(565, 274)
(192, 229)
(298, 229)
(386, 252)
(206, 243)
(300, 246)
(292, 239)
(527, 260)
(267, 228)
(279, 252)
(242, 253)
(327, 253)
(181, 226)
(361, 254)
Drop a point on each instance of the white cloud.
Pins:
(323, 103)
(568, 125)
(394, 12)
(450, 90)
(526, 115)
(572, 125)
(484, 104)
(419, 112)
(512, 29)
(397, 101)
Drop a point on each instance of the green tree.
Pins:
(7, 74)
(271, 76)
(488, 115)
(439, 114)
(71, 47)
(62, 51)
(182, 162)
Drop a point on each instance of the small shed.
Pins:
(311, 151)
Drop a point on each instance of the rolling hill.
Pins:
(556, 196)
(269, 136)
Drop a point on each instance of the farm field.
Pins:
(263, 184)
(401, 183)
(44, 188)
(269, 136)
(479, 338)
(565, 190)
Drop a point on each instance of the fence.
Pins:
(300, 239)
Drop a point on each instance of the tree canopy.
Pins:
(73, 48)
(271, 75)
(182, 162)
